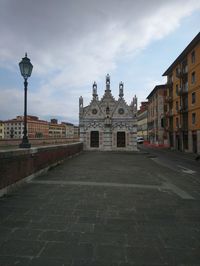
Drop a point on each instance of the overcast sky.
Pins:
(72, 43)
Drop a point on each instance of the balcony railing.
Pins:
(169, 128)
(169, 113)
(182, 90)
(183, 127)
(182, 72)
(183, 108)
(168, 99)
(169, 83)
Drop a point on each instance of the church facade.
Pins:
(108, 124)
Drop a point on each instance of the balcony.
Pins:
(183, 108)
(169, 113)
(169, 83)
(182, 72)
(168, 99)
(183, 90)
(169, 128)
(183, 127)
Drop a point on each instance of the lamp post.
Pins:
(25, 69)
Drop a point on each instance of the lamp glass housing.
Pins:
(25, 67)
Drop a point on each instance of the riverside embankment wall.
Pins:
(19, 165)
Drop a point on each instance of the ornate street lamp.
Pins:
(25, 69)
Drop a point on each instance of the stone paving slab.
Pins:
(50, 221)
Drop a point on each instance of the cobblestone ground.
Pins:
(105, 209)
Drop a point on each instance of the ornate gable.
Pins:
(122, 110)
(94, 110)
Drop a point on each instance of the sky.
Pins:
(72, 43)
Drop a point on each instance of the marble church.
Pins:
(107, 124)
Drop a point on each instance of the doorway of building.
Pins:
(94, 139)
(185, 140)
(171, 140)
(194, 143)
(121, 139)
(178, 146)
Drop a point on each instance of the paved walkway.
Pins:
(102, 209)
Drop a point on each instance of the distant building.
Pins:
(69, 129)
(56, 130)
(36, 128)
(108, 124)
(183, 83)
(1, 130)
(142, 120)
(156, 115)
(76, 132)
(13, 128)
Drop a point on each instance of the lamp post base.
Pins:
(25, 145)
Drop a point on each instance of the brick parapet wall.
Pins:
(34, 142)
(18, 164)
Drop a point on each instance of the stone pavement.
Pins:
(102, 209)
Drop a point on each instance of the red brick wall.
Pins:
(20, 163)
(35, 142)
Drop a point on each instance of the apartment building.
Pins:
(36, 128)
(183, 98)
(76, 132)
(156, 115)
(57, 130)
(69, 129)
(142, 120)
(13, 128)
(1, 130)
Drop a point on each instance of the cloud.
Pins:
(71, 43)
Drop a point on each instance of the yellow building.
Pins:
(1, 130)
(76, 132)
(142, 120)
(69, 129)
(183, 114)
(56, 130)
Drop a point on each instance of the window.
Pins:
(193, 77)
(176, 89)
(193, 97)
(176, 106)
(162, 122)
(177, 71)
(177, 122)
(193, 118)
(193, 57)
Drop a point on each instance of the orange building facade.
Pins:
(36, 128)
(156, 115)
(183, 99)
